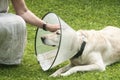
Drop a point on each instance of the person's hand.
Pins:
(52, 27)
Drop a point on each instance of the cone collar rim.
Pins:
(59, 41)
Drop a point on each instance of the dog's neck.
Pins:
(82, 47)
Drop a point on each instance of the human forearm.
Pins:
(30, 18)
(22, 10)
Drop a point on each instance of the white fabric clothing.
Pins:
(12, 38)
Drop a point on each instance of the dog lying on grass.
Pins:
(102, 48)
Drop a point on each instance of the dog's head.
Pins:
(51, 39)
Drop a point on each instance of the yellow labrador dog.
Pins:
(98, 49)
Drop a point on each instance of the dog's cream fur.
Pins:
(102, 49)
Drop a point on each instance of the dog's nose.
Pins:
(43, 38)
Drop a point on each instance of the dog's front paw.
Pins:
(65, 74)
(69, 72)
(54, 75)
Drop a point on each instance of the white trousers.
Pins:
(12, 38)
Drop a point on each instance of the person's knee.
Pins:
(20, 21)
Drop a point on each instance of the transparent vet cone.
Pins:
(48, 56)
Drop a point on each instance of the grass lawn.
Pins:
(79, 14)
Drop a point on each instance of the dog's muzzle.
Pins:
(43, 41)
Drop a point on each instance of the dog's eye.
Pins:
(58, 33)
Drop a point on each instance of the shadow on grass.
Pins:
(8, 66)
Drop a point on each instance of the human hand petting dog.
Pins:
(51, 27)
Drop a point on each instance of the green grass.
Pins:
(79, 14)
